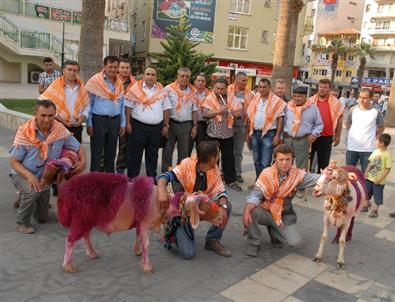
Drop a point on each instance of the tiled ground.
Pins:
(30, 266)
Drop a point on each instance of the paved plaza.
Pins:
(31, 265)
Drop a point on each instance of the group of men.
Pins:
(142, 116)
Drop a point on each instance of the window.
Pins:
(313, 12)
(265, 35)
(386, 24)
(323, 72)
(268, 3)
(350, 58)
(237, 37)
(348, 74)
(353, 3)
(338, 73)
(241, 6)
(380, 8)
(308, 59)
(315, 71)
(367, 8)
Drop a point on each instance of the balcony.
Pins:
(381, 31)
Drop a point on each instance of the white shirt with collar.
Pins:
(71, 95)
(260, 116)
(152, 115)
(187, 107)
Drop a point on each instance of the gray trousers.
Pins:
(301, 150)
(238, 146)
(287, 234)
(33, 202)
(180, 133)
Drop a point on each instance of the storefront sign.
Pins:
(375, 81)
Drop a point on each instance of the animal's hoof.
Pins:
(93, 255)
(69, 269)
(317, 259)
(335, 241)
(340, 265)
(148, 270)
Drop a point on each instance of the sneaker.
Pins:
(235, 186)
(239, 179)
(365, 209)
(252, 250)
(25, 228)
(373, 214)
(392, 214)
(216, 246)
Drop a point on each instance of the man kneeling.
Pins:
(270, 202)
(198, 174)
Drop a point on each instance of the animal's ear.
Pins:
(194, 213)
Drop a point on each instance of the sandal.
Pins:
(235, 186)
(373, 214)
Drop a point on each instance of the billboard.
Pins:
(328, 8)
(199, 13)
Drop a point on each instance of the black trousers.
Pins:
(105, 137)
(200, 136)
(146, 138)
(323, 148)
(77, 133)
(227, 158)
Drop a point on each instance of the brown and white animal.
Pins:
(345, 195)
(110, 203)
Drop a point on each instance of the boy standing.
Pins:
(378, 168)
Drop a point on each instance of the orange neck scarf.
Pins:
(132, 82)
(186, 175)
(274, 107)
(97, 86)
(269, 183)
(26, 136)
(248, 95)
(335, 106)
(212, 103)
(297, 110)
(181, 96)
(55, 93)
(137, 94)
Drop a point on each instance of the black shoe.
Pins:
(54, 190)
(235, 186)
(392, 214)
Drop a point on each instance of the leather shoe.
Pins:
(216, 246)
(25, 228)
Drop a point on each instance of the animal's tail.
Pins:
(142, 190)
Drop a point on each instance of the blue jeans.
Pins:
(352, 158)
(262, 149)
(185, 237)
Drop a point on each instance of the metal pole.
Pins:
(63, 44)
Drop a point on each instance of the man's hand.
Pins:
(247, 219)
(276, 140)
(236, 113)
(129, 128)
(224, 217)
(122, 131)
(336, 140)
(165, 131)
(34, 183)
(89, 130)
(311, 138)
(78, 168)
(163, 198)
(194, 132)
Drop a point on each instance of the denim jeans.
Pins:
(352, 158)
(262, 149)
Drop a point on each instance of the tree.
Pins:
(284, 52)
(363, 51)
(90, 52)
(179, 51)
(390, 114)
(337, 49)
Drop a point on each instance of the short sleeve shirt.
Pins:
(380, 161)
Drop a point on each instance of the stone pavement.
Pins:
(30, 265)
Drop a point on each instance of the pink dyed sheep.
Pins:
(109, 203)
(345, 194)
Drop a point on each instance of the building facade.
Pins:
(240, 33)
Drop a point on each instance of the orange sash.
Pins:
(274, 107)
(55, 93)
(297, 110)
(26, 136)
(335, 106)
(137, 94)
(248, 95)
(186, 175)
(212, 103)
(97, 86)
(181, 96)
(269, 183)
(132, 82)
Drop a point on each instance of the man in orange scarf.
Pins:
(128, 81)
(270, 202)
(198, 174)
(331, 111)
(106, 120)
(243, 95)
(147, 122)
(38, 140)
(183, 118)
(265, 125)
(71, 99)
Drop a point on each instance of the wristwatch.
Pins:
(166, 125)
(225, 206)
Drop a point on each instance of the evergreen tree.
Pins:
(179, 51)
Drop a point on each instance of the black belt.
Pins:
(295, 138)
(108, 116)
(177, 122)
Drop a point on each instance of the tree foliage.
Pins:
(179, 51)
(337, 49)
(363, 51)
